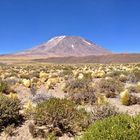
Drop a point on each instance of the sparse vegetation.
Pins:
(62, 100)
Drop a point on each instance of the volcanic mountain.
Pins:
(62, 46)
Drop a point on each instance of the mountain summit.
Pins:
(65, 46)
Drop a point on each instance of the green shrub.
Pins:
(61, 114)
(9, 111)
(67, 72)
(3, 86)
(51, 136)
(120, 127)
(114, 73)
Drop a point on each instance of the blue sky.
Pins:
(113, 24)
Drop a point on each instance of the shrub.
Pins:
(28, 109)
(110, 88)
(80, 91)
(123, 78)
(75, 86)
(114, 73)
(51, 83)
(3, 86)
(124, 97)
(12, 80)
(84, 76)
(133, 89)
(138, 101)
(102, 111)
(51, 136)
(26, 83)
(133, 100)
(98, 74)
(9, 111)
(101, 100)
(61, 114)
(134, 76)
(120, 127)
(66, 72)
(136, 73)
(138, 86)
(130, 99)
(84, 97)
(9, 130)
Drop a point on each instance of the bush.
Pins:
(125, 97)
(84, 76)
(28, 109)
(3, 86)
(76, 86)
(128, 99)
(136, 73)
(110, 88)
(101, 100)
(120, 127)
(80, 91)
(134, 76)
(114, 73)
(123, 78)
(102, 111)
(62, 115)
(133, 89)
(133, 100)
(9, 111)
(87, 97)
(9, 130)
(66, 72)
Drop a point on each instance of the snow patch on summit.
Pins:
(57, 37)
(87, 42)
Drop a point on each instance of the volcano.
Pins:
(62, 46)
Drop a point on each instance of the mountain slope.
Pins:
(65, 46)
